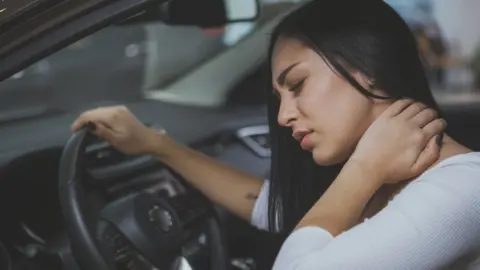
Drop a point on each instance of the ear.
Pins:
(365, 81)
(378, 105)
(368, 83)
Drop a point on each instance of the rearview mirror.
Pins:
(204, 13)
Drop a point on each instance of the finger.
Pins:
(434, 127)
(397, 107)
(104, 132)
(84, 119)
(412, 110)
(427, 157)
(424, 117)
(79, 123)
(101, 115)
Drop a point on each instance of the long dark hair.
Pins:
(363, 35)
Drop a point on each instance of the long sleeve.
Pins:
(259, 217)
(431, 224)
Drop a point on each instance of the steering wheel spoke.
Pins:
(191, 208)
(147, 225)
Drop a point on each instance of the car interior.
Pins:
(55, 186)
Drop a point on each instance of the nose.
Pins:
(287, 113)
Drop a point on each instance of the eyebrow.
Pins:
(282, 77)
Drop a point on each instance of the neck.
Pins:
(450, 148)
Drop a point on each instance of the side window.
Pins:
(117, 64)
(449, 40)
(193, 46)
(175, 50)
(112, 65)
(107, 65)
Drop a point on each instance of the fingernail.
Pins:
(439, 139)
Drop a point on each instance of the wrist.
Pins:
(367, 170)
(158, 143)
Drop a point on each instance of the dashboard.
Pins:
(32, 235)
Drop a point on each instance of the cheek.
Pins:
(338, 135)
(323, 104)
(313, 102)
(350, 117)
(339, 117)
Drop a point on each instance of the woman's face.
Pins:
(327, 115)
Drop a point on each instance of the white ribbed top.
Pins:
(434, 223)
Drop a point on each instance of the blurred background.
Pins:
(120, 64)
(449, 40)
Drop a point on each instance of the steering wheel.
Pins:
(148, 227)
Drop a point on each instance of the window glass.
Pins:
(117, 64)
(448, 36)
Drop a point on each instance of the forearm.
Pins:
(343, 203)
(224, 185)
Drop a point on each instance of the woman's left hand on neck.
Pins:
(399, 145)
(403, 142)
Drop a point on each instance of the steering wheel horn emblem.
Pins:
(161, 218)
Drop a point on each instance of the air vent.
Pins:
(257, 139)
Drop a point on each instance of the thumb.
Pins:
(429, 155)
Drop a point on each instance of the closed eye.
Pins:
(297, 86)
(293, 88)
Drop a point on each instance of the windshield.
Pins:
(126, 63)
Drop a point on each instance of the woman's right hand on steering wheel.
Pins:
(118, 126)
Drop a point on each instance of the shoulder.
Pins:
(457, 175)
(450, 192)
(434, 221)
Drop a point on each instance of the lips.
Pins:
(306, 143)
(303, 137)
(299, 134)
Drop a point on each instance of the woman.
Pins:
(362, 175)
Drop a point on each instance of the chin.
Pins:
(322, 157)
